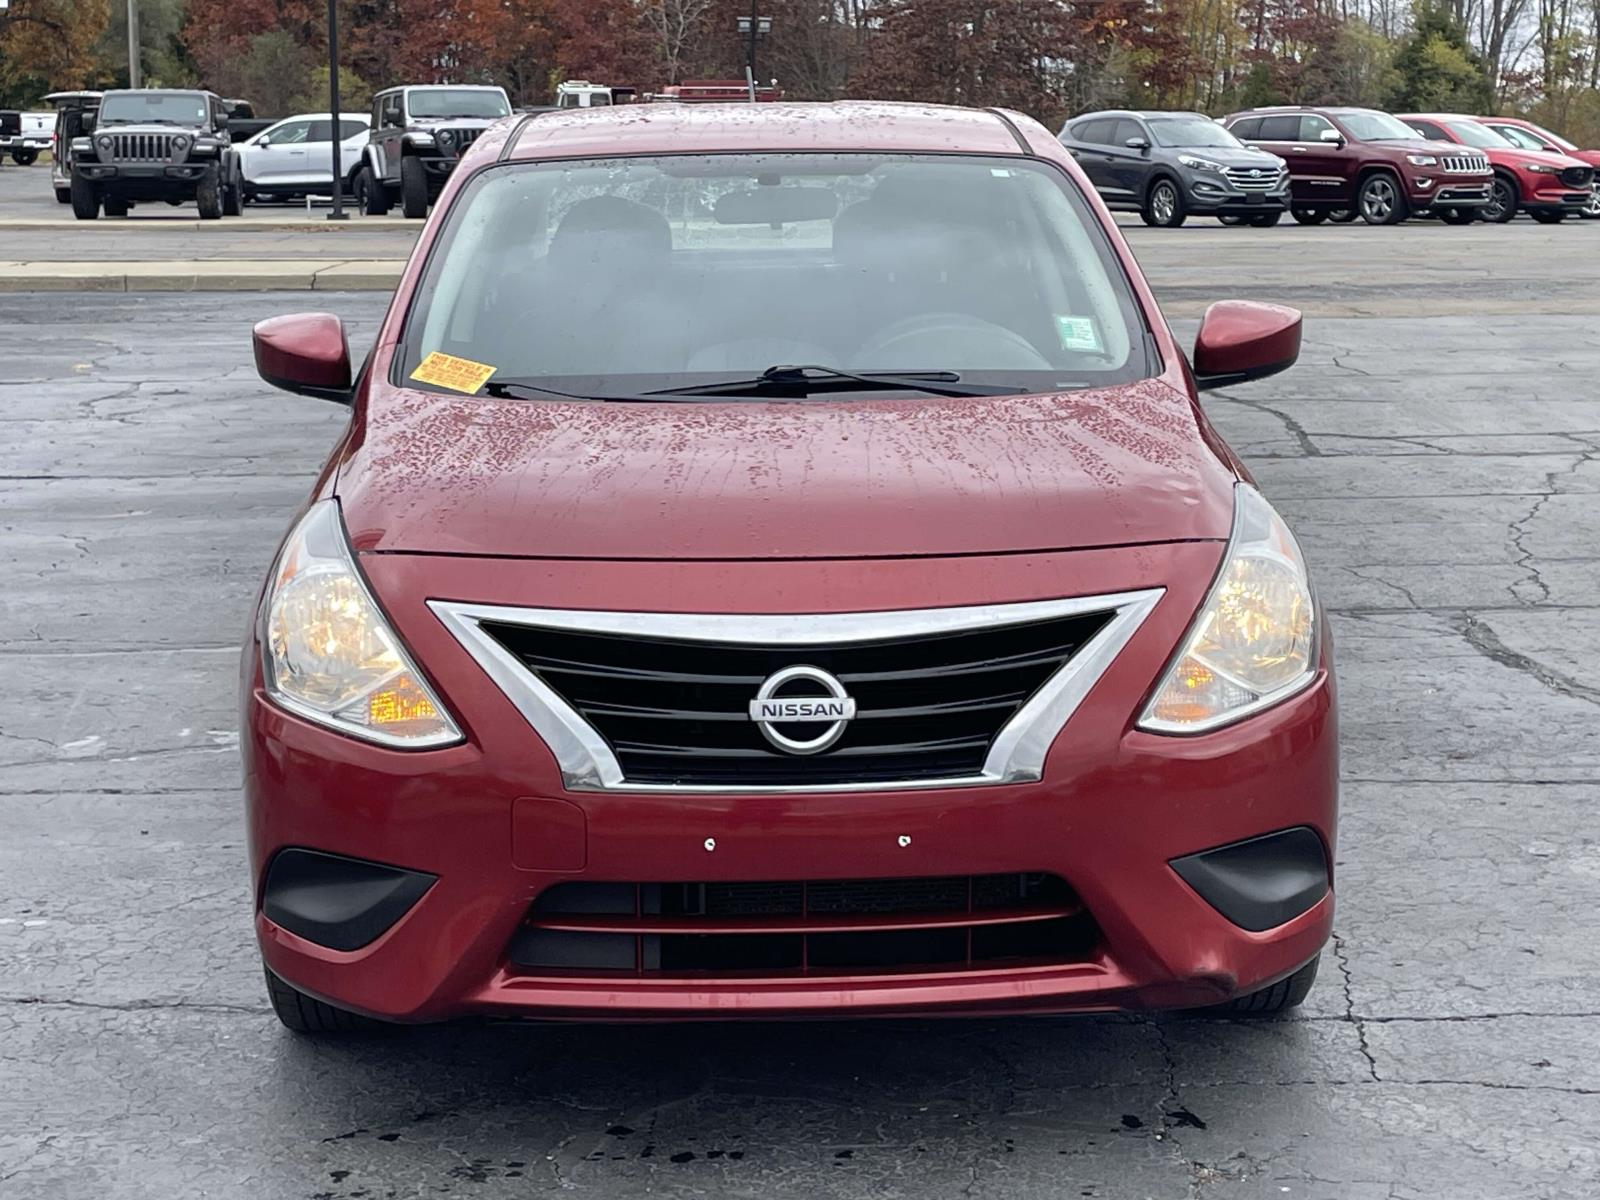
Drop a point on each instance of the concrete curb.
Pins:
(222, 275)
(185, 224)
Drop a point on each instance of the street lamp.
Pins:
(753, 27)
(338, 213)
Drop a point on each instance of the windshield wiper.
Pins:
(512, 389)
(809, 379)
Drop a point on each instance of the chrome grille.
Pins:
(1578, 177)
(677, 712)
(461, 139)
(631, 701)
(144, 147)
(1254, 179)
(1464, 164)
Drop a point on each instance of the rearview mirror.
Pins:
(305, 354)
(776, 206)
(1137, 143)
(1241, 340)
(1331, 135)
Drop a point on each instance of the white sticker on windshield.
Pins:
(1077, 333)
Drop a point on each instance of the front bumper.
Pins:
(489, 820)
(1558, 199)
(1212, 197)
(146, 181)
(1435, 191)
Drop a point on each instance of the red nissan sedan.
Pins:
(777, 565)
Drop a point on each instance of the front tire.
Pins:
(371, 194)
(1282, 996)
(63, 195)
(1163, 205)
(208, 196)
(85, 202)
(1458, 216)
(1591, 210)
(1502, 204)
(1380, 201)
(307, 1015)
(1309, 216)
(1341, 216)
(1546, 217)
(413, 188)
(24, 158)
(232, 200)
(1263, 220)
(116, 206)
(1230, 219)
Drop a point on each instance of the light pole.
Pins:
(755, 26)
(338, 213)
(135, 76)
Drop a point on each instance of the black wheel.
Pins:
(208, 196)
(1270, 1001)
(1231, 220)
(1502, 204)
(1341, 216)
(371, 195)
(232, 200)
(1379, 200)
(1591, 210)
(303, 1014)
(24, 158)
(116, 206)
(1458, 216)
(1163, 205)
(413, 188)
(1309, 216)
(85, 203)
(1547, 217)
(63, 195)
(1263, 220)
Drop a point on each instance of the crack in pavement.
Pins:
(1486, 642)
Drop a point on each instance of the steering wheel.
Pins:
(930, 340)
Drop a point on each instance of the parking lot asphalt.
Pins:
(1443, 472)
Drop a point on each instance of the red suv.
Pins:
(1546, 186)
(1529, 136)
(887, 631)
(1359, 160)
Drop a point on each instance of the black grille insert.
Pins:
(805, 927)
(677, 711)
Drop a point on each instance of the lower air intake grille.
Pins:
(678, 712)
(806, 927)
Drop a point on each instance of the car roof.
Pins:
(1436, 117)
(434, 87)
(1144, 113)
(344, 115)
(844, 125)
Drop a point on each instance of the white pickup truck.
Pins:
(28, 136)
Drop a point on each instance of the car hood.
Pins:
(1424, 146)
(454, 122)
(1548, 158)
(425, 472)
(147, 127)
(1230, 157)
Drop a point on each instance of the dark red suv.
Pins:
(1348, 162)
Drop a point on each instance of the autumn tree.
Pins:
(49, 45)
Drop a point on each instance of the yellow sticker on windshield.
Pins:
(457, 374)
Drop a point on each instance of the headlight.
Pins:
(1198, 164)
(446, 137)
(1422, 160)
(180, 142)
(1255, 640)
(1541, 168)
(327, 653)
(105, 143)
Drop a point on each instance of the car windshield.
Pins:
(1473, 134)
(1555, 139)
(632, 275)
(1192, 131)
(139, 108)
(428, 103)
(1377, 127)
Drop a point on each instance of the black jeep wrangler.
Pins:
(418, 135)
(156, 144)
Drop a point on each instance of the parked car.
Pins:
(167, 144)
(418, 136)
(1168, 165)
(1544, 185)
(616, 669)
(1535, 137)
(25, 135)
(75, 114)
(294, 157)
(1368, 161)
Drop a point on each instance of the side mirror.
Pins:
(222, 122)
(1331, 135)
(1137, 143)
(1241, 340)
(305, 354)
